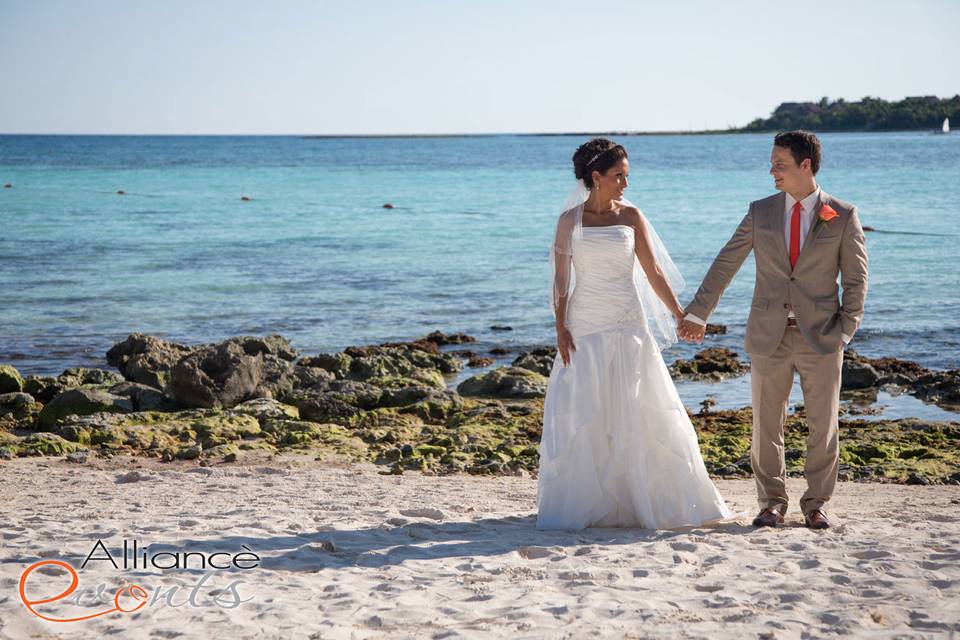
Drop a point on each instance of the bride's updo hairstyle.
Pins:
(597, 155)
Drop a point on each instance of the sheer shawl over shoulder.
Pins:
(569, 228)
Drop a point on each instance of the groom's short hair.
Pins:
(802, 145)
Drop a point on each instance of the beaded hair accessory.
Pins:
(593, 159)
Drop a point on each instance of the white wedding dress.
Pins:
(618, 449)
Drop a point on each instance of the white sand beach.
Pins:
(345, 552)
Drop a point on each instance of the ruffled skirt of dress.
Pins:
(618, 449)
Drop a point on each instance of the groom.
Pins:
(802, 239)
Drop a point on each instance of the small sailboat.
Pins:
(946, 126)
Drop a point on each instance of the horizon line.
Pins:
(319, 136)
(389, 135)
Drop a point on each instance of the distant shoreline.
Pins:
(868, 115)
(348, 136)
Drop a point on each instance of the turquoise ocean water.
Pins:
(315, 257)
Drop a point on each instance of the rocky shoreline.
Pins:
(391, 404)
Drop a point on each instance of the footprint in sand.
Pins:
(789, 567)
(134, 476)
(684, 557)
(204, 471)
(534, 552)
(714, 560)
(575, 575)
(425, 512)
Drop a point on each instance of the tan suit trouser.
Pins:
(772, 379)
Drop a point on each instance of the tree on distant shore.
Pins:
(869, 114)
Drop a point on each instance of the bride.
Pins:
(618, 449)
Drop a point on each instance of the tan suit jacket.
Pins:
(830, 249)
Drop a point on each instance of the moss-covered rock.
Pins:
(146, 359)
(83, 376)
(437, 406)
(264, 409)
(229, 452)
(10, 379)
(857, 373)
(433, 450)
(81, 401)
(45, 444)
(20, 407)
(336, 363)
(325, 406)
(539, 360)
(311, 377)
(505, 382)
(336, 441)
(715, 363)
(416, 378)
(137, 433)
(939, 387)
(256, 445)
(399, 358)
(145, 398)
(284, 432)
(43, 388)
(878, 450)
(191, 452)
(389, 404)
(221, 428)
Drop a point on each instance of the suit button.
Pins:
(786, 305)
(792, 278)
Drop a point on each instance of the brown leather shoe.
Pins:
(817, 519)
(769, 517)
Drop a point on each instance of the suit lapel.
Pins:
(778, 216)
(815, 229)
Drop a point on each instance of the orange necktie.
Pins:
(795, 235)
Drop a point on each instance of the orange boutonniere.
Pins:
(826, 214)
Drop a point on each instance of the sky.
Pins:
(431, 67)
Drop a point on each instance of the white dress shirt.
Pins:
(808, 206)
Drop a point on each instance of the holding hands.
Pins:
(688, 330)
(691, 331)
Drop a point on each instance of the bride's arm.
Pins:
(561, 283)
(562, 259)
(648, 261)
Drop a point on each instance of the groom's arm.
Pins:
(853, 274)
(721, 272)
